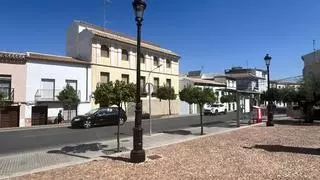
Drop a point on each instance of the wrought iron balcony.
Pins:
(7, 93)
(50, 95)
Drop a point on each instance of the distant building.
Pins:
(249, 79)
(311, 63)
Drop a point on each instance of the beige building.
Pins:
(113, 57)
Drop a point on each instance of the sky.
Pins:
(212, 35)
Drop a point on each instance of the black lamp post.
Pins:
(267, 59)
(138, 154)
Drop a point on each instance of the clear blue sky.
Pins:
(215, 34)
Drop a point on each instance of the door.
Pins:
(9, 116)
(39, 115)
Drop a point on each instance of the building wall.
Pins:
(60, 72)
(18, 82)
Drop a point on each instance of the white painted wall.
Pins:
(60, 72)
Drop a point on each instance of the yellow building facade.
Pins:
(113, 57)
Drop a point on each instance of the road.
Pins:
(36, 139)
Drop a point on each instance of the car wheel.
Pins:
(216, 112)
(122, 120)
(87, 124)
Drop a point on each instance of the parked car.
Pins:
(100, 116)
(214, 109)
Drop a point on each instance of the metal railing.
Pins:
(8, 93)
(50, 94)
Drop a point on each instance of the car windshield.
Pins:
(92, 112)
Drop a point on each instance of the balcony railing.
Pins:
(50, 95)
(8, 93)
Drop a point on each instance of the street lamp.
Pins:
(138, 155)
(267, 59)
(149, 92)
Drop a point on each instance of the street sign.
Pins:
(151, 88)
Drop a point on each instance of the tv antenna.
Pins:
(106, 3)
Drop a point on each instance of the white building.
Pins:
(185, 108)
(46, 76)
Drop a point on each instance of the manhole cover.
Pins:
(153, 157)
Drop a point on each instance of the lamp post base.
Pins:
(138, 156)
(269, 124)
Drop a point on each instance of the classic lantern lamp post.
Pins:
(267, 60)
(138, 155)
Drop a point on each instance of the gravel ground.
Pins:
(280, 152)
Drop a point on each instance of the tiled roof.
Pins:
(12, 58)
(56, 58)
(244, 75)
(102, 32)
(203, 81)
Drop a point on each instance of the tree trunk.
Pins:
(169, 107)
(118, 133)
(201, 120)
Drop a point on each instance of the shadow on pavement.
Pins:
(82, 148)
(179, 132)
(123, 159)
(114, 150)
(280, 148)
(295, 122)
(227, 124)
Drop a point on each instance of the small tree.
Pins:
(310, 91)
(166, 93)
(196, 95)
(69, 97)
(107, 94)
(2, 96)
(228, 98)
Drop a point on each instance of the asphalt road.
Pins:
(36, 139)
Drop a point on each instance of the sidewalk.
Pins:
(62, 156)
(258, 152)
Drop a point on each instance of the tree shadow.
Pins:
(178, 132)
(79, 149)
(114, 150)
(208, 124)
(296, 122)
(289, 149)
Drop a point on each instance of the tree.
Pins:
(117, 93)
(310, 91)
(69, 97)
(166, 93)
(196, 95)
(228, 98)
(2, 97)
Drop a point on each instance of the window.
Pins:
(125, 55)
(155, 61)
(125, 78)
(72, 83)
(168, 82)
(156, 83)
(5, 86)
(47, 91)
(142, 84)
(104, 77)
(105, 51)
(142, 59)
(168, 63)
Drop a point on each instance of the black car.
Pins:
(100, 116)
